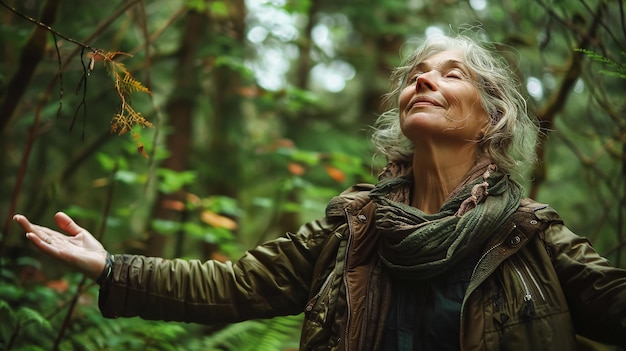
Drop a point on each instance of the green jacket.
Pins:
(535, 286)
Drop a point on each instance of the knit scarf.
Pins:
(418, 246)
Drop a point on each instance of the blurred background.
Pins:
(198, 129)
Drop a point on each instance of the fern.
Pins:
(129, 85)
(255, 335)
(617, 70)
(27, 315)
(126, 118)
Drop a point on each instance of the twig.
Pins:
(547, 114)
(46, 27)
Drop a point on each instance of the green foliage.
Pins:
(264, 158)
(297, 6)
(278, 333)
(617, 70)
(12, 321)
(171, 181)
(23, 327)
(234, 63)
(127, 335)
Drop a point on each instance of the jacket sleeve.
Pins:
(270, 280)
(594, 289)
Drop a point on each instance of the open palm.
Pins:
(79, 248)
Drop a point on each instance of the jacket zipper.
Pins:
(345, 276)
(474, 271)
(309, 306)
(528, 296)
(528, 310)
(534, 281)
(485, 254)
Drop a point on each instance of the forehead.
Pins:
(442, 58)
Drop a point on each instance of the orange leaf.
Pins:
(295, 169)
(275, 145)
(220, 257)
(142, 151)
(60, 285)
(336, 174)
(250, 91)
(219, 221)
(100, 182)
(193, 199)
(174, 205)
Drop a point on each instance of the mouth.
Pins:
(424, 101)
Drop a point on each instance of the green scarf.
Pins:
(415, 245)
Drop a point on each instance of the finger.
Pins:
(45, 245)
(66, 223)
(44, 234)
(23, 222)
(39, 240)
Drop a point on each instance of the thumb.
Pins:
(66, 223)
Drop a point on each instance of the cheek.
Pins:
(480, 118)
(405, 97)
(477, 109)
(468, 104)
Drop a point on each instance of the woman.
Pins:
(443, 253)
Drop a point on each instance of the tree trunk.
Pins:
(31, 55)
(225, 149)
(179, 109)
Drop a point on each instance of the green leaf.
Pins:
(165, 226)
(106, 162)
(234, 63)
(218, 8)
(197, 5)
(222, 204)
(84, 213)
(129, 177)
(172, 181)
(26, 315)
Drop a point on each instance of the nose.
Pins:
(426, 81)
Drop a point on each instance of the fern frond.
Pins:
(130, 85)
(255, 335)
(618, 69)
(594, 56)
(125, 84)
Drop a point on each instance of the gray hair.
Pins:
(509, 139)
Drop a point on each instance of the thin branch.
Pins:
(46, 27)
(83, 102)
(548, 113)
(175, 16)
(606, 27)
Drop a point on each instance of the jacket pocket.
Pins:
(317, 308)
(532, 292)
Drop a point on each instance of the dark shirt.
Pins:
(425, 315)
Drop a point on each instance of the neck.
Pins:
(437, 172)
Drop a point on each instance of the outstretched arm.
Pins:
(79, 249)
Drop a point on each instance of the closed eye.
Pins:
(455, 74)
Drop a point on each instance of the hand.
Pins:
(80, 249)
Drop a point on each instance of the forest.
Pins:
(200, 128)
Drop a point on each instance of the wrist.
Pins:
(107, 271)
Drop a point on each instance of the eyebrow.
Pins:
(447, 63)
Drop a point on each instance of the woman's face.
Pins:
(441, 102)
